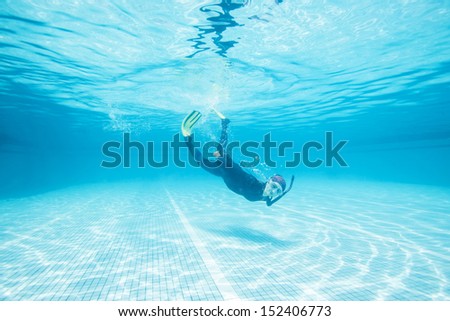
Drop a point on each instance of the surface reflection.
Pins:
(220, 20)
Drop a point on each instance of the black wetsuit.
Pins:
(237, 180)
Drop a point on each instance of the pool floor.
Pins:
(195, 240)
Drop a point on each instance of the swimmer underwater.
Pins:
(236, 179)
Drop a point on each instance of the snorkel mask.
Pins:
(276, 188)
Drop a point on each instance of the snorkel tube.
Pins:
(270, 202)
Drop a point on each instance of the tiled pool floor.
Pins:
(327, 240)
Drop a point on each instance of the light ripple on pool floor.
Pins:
(327, 240)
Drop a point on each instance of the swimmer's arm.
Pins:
(269, 201)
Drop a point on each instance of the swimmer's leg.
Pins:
(224, 133)
(214, 168)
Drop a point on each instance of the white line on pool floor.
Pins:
(219, 278)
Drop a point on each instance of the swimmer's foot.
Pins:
(189, 122)
(225, 121)
(218, 113)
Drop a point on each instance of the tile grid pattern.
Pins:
(126, 242)
(108, 244)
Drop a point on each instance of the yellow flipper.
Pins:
(189, 122)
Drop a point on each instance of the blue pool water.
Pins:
(75, 76)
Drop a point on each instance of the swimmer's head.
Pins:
(275, 186)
